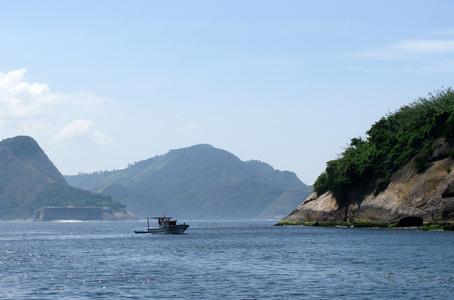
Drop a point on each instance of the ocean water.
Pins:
(223, 260)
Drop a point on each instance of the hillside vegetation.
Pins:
(29, 181)
(391, 143)
(198, 182)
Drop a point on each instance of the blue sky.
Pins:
(101, 84)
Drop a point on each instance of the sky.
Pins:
(103, 84)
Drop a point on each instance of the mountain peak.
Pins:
(29, 181)
(25, 150)
(199, 181)
(22, 146)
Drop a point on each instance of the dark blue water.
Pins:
(233, 260)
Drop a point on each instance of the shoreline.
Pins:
(425, 227)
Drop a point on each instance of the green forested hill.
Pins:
(198, 182)
(391, 143)
(29, 181)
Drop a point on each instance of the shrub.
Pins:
(391, 143)
(422, 163)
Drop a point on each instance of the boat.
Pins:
(166, 226)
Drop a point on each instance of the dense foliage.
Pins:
(63, 195)
(391, 143)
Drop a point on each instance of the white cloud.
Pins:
(407, 50)
(83, 129)
(101, 138)
(19, 99)
(430, 46)
(443, 32)
(441, 66)
(25, 108)
(424, 56)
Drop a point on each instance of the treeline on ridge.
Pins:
(391, 143)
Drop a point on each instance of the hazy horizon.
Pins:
(100, 85)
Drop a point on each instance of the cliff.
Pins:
(426, 195)
(399, 173)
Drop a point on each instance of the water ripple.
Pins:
(231, 260)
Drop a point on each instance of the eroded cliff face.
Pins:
(428, 195)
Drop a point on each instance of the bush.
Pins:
(391, 143)
(422, 163)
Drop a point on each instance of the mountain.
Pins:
(29, 181)
(198, 182)
(400, 174)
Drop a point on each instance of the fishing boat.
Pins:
(166, 226)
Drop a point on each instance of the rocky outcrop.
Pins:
(428, 195)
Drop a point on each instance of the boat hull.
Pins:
(177, 229)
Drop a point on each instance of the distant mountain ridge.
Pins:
(197, 182)
(29, 181)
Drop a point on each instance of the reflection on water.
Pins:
(222, 259)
